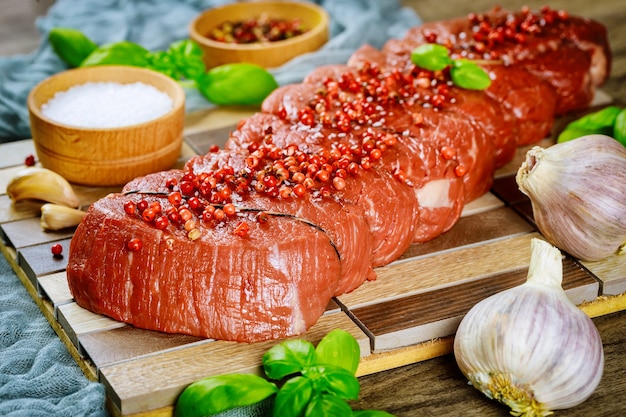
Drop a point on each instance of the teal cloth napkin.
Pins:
(155, 24)
(38, 377)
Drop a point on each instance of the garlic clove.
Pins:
(577, 190)
(529, 347)
(58, 217)
(41, 184)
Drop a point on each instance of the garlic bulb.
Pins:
(529, 347)
(41, 184)
(58, 217)
(578, 194)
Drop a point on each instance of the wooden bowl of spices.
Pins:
(104, 126)
(266, 33)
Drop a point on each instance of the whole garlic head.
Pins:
(529, 347)
(578, 194)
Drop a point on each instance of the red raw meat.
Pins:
(392, 230)
(334, 177)
(219, 286)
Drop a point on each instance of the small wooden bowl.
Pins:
(267, 54)
(107, 156)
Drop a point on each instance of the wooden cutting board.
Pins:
(409, 314)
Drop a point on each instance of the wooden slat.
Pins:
(14, 153)
(77, 321)
(201, 142)
(8, 211)
(215, 119)
(127, 343)
(482, 227)
(429, 315)
(54, 288)
(38, 259)
(611, 272)
(28, 232)
(135, 383)
(484, 203)
(446, 269)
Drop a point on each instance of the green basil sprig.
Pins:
(221, 393)
(242, 83)
(313, 382)
(71, 45)
(464, 72)
(232, 84)
(610, 121)
(118, 53)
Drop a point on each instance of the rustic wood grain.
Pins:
(53, 287)
(8, 212)
(76, 321)
(448, 268)
(436, 387)
(38, 260)
(486, 202)
(126, 343)
(169, 372)
(420, 317)
(612, 274)
(483, 226)
(15, 154)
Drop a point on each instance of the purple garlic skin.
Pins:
(529, 347)
(578, 195)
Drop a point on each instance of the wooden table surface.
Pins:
(436, 387)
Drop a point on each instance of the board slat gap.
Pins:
(480, 228)
(447, 269)
(28, 232)
(54, 288)
(127, 343)
(75, 321)
(484, 203)
(611, 272)
(38, 260)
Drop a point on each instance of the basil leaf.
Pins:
(215, 394)
(186, 57)
(288, 357)
(432, 57)
(466, 74)
(71, 45)
(337, 381)
(339, 348)
(293, 397)
(371, 413)
(572, 133)
(182, 61)
(619, 130)
(597, 121)
(119, 53)
(161, 61)
(327, 406)
(237, 84)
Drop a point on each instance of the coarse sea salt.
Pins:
(107, 105)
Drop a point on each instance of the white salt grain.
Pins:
(107, 104)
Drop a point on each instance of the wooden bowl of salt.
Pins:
(104, 126)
